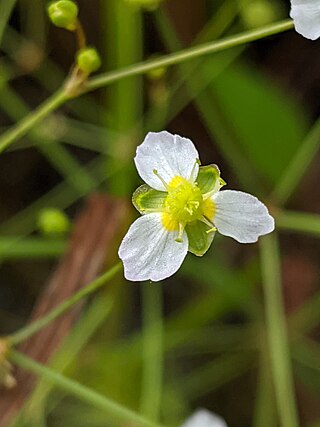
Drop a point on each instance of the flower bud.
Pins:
(157, 73)
(63, 14)
(88, 60)
(256, 13)
(52, 221)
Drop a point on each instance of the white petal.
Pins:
(170, 155)
(149, 251)
(306, 16)
(241, 216)
(204, 418)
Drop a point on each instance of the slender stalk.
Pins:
(5, 11)
(277, 333)
(212, 115)
(299, 221)
(98, 311)
(33, 118)
(124, 101)
(264, 411)
(47, 143)
(113, 409)
(14, 248)
(60, 97)
(34, 327)
(301, 161)
(188, 54)
(152, 351)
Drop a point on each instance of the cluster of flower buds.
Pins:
(64, 14)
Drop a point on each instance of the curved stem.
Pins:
(113, 409)
(34, 327)
(61, 96)
(81, 36)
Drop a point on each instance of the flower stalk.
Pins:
(34, 327)
(279, 350)
(113, 409)
(62, 96)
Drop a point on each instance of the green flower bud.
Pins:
(256, 13)
(88, 60)
(52, 221)
(157, 73)
(63, 14)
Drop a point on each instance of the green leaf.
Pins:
(209, 179)
(266, 122)
(199, 239)
(145, 199)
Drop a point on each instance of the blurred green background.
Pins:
(253, 111)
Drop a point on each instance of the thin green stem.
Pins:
(301, 161)
(113, 409)
(188, 54)
(22, 127)
(264, 411)
(47, 143)
(152, 351)
(14, 248)
(60, 97)
(5, 11)
(34, 327)
(299, 221)
(90, 321)
(212, 115)
(277, 333)
(124, 102)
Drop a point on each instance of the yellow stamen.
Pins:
(212, 230)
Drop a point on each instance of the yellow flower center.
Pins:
(183, 204)
(184, 201)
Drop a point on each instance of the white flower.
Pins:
(306, 17)
(204, 418)
(181, 209)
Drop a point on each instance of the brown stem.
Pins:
(90, 244)
(81, 36)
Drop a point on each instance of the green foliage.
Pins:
(198, 338)
(267, 123)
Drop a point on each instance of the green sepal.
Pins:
(199, 240)
(209, 179)
(145, 199)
